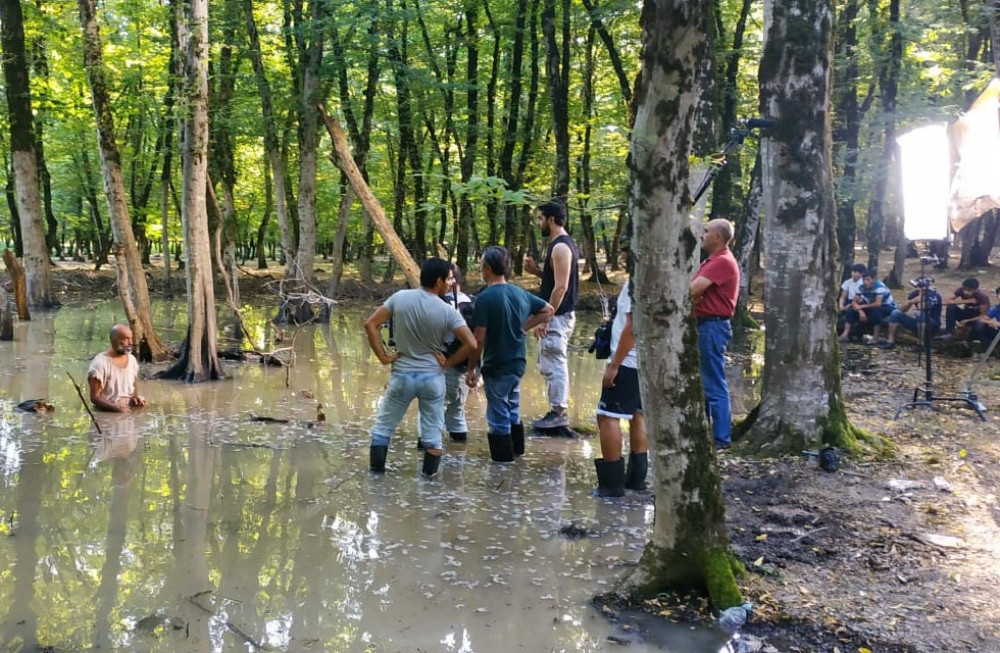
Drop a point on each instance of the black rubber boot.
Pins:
(501, 447)
(376, 458)
(517, 439)
(610, 478)
(431, 464)
(457, 436)
(635, 474)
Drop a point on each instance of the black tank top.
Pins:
(549, 278)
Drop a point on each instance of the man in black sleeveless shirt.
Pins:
(560, 288)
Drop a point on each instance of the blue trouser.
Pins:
(911, 322)
(428, 389)
(503, 402)
(713, 336)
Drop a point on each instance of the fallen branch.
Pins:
(246, 638)
(79, 392)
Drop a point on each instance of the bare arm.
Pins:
(543, 315)
(473, 372)
(698, 287)
(377, 319)
(531, 267)
(625, 344)
(562, 262)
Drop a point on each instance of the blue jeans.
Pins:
(428, 389)
(503, 402)
(712, 340)
(911, 322)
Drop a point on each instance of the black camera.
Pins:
(922, 282)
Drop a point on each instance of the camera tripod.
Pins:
(968, 397)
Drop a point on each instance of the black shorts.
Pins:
(623, 400)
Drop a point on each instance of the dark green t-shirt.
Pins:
(503, 309)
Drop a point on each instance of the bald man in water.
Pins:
(113, 373)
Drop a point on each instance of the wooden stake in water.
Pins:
(86, 407)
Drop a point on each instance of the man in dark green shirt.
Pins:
(503, 313)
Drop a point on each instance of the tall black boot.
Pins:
(501, 447)
(458, 436)
(431, 463)
(635, 474)
(517, 438)
(376, 458)
(610, 478)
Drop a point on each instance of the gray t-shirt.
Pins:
(420, 323)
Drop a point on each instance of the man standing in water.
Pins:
(503, 313)
(714, 291)
(113, 373)
(560, 288)
(421, 321)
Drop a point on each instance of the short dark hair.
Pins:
(971, 283)
(859, 267)
(432, 270)
(497, 260)
(556, 209)
(869, 274)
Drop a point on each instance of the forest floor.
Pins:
(889, 554)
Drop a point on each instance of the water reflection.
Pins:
(188, 527)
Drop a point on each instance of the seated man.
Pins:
(848, 291)
(927, 301)
(113, 373)
(985, 328)
(872, 305)
(967, 304)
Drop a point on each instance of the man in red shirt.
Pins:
(714, 291)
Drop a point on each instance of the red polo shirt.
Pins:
(720, 298)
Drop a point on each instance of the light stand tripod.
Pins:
(968, 398)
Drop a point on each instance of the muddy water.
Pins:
(187, 527)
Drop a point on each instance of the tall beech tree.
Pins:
(802, 405)
(25, 164)
(689, 549)
(199, 360)
(132, 287)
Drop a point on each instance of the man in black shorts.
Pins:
(620, 400)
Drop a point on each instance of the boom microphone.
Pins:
(761, 123)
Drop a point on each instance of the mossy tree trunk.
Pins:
(689, 549)
(199, 360)
(132, 287)
(24, 164)
(802, 402)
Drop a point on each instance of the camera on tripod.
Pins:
(922, 282)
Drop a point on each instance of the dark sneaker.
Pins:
(885, 344)
(552, 420)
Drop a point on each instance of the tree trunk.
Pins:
(346, 163)
(557, 75)
(347, 196)
(199, 360)
(725, 198)
(746, 241)
(265, 219)
(888, 86)
(6, 317)
(802, 404)
(38, 278)
(271, 138)
(16, 272)
(689, 549)
(132, 287)
(311, 60)
(846, 131)
(583, 170)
